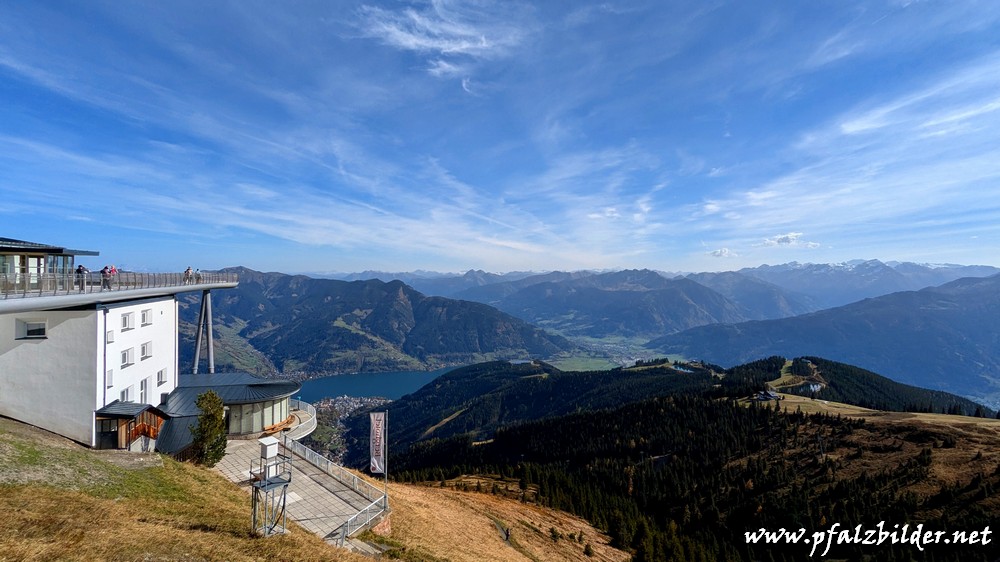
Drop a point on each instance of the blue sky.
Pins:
(338, 136)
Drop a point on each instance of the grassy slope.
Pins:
(65, 502)
(465, 527)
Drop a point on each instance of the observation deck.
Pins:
(21, 292)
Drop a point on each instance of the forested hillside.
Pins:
(671, 462)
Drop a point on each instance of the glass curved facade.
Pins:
(255, 417)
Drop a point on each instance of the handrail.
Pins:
(353, 524)
(359, 485)
(23, 285)
(307, 428)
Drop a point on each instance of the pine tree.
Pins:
(209, 436)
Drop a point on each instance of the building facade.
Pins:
(85, 356)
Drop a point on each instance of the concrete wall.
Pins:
(49, 382)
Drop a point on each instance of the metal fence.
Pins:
(365, 517)
(300, 431)
(21, 285)
(344, 476)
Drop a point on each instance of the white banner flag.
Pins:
(378, 442)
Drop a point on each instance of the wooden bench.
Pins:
(278, 427)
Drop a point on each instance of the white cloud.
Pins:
(791, 239)
(724, 253)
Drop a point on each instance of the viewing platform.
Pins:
(20, 291)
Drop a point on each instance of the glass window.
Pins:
(247, 425)
(127, 357)
(143, 386)
(258, 417)
(126, 395)
(161, 377)
(128, 321)
(146, 317)
(146, 350)
(29, 329)
(269, 414)
(109, 378)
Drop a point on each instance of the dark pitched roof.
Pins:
(119, 409)
(233, 388)
(175, 434)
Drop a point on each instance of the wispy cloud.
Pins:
(507, 135)
(452, 34)
(874, 172)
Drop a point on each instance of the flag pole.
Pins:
(385, 473)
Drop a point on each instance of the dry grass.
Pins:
(962, 446)
(809, 406)
(62, 501)
(65, 502)
(441, 423)
(446, 524)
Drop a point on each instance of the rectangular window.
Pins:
(128, 321)
(146, 350)
(127, 357)
(126, 395)
(161, 377)
(29, 329)
(146, 317)
(143, 386)
(110, 336)
(109, 378)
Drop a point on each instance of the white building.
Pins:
(89, 357)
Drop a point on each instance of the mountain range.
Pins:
(945, 337)
(299, 326)
(942, 338)
(820, 285)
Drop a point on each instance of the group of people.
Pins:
(192, 276)
(108, 273)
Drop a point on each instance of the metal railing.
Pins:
(344, 476)
(22, 285)
(307, 428)
(363, 519)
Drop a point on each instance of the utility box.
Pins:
(268, 447)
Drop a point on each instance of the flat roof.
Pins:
(12, 245)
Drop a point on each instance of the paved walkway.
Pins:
(316, 501)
